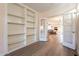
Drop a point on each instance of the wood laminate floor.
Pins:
(50, 48)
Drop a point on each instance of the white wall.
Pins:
(3, 29)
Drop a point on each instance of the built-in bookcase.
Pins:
(16, 26)
(21, 26)
(31, 21)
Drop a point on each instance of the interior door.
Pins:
(69, 30)
(43, 30)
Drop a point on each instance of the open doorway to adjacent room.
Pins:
(55, 27)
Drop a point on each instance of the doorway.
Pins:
(55, 26)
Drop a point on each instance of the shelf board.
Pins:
(16, 34)
(16, 16)
(31, 16)
(30, 21)
(15, 23)
(30, 34)
(16, 42)
(30, 28)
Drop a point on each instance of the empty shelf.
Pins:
(30, 16)
(16, 16)
(30, 28)
(16, 34)
(16, 42)
(16, 23)
(31, 21)
(30, 34)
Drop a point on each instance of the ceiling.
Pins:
(42, 7)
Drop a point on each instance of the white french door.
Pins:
(69, 30)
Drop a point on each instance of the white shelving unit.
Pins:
(21, 26)
(31, 21)
(16, 25)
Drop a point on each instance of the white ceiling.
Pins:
(42, 7)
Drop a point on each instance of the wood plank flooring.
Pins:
(50, 48)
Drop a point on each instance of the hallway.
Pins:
(50, 48)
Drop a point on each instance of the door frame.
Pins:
(45, 23)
